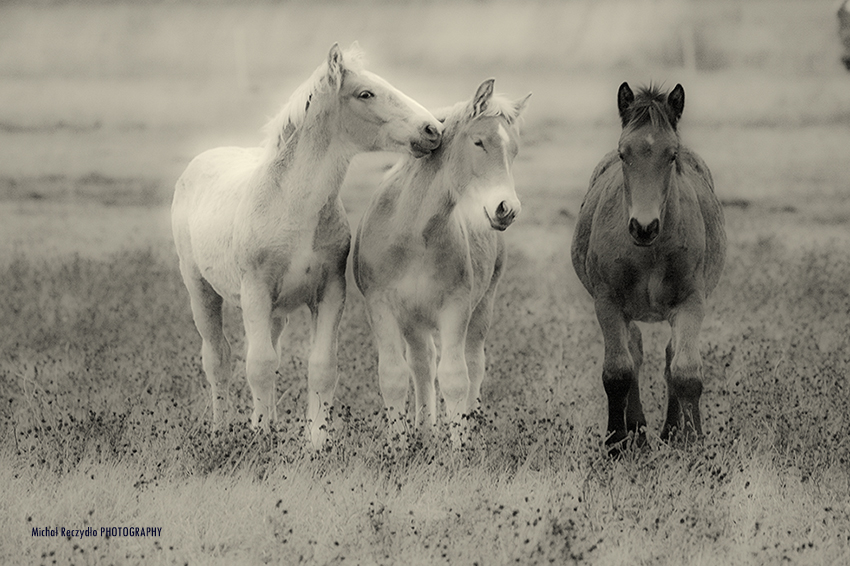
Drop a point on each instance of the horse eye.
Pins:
(366, 95)
(674, 155)
(621, 155)
(479, 143)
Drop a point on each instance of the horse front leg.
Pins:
(262, 359)
(619, 374)
(322, 373)
(393, 370)
(452, 370)
(683, 372)
(422, 356)
(635, 419)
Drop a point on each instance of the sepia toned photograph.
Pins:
(422, 282)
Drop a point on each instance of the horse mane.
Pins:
(452, 118)
(649, 107)
(281, 127)
(498, 106)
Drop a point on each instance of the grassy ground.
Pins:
(105, 407)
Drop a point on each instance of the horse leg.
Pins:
(476, 334)
(261, 359)
(215, 349)
(422, 355)
(671, 421)
(322, 376)
(684, 371)
(452, 370)
(618, 370)
(393, 371)
(635, 419)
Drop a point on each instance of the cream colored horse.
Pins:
(428, 255)
(264, 228)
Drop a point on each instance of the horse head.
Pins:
(648, 150)
(484, 143)
(369, 113)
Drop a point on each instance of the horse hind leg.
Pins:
(635, 419)
(215, 350)
(671, 421)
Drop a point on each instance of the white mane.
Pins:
(280, 128)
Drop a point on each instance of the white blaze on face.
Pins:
(482, 198)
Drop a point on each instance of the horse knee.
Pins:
(215, 356)
(394, 379)
(261, 368)
(321, 374)
(689, 387)
(454, 385)
(686, 375)
(618, 381)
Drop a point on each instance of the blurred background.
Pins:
(104, 103)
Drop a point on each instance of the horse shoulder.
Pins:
(603, 176)
(713, 219)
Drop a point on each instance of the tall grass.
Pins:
(105, 423)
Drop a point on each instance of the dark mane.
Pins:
(649, 107)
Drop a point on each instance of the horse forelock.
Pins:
(454, 117)
(649, 108)
(280, 128)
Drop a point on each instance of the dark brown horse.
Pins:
(649, 246)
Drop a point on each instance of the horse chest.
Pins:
(649, 287)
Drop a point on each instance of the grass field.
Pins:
(104, 420)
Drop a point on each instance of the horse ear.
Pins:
(676, 103)
(335, 66)
(625, 97)
(521, 104)
(482, 97)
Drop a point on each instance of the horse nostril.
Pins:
(652, 229)
(641, 234)
(502, 210)
(431, 131)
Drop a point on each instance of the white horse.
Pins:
(264, 228)
(428, 254)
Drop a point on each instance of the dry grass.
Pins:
(105, 408)
(106, 425)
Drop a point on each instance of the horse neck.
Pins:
(427, 196)
(308, 171)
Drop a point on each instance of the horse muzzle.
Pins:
(504, 217)
(644, 235)
(430, 137)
